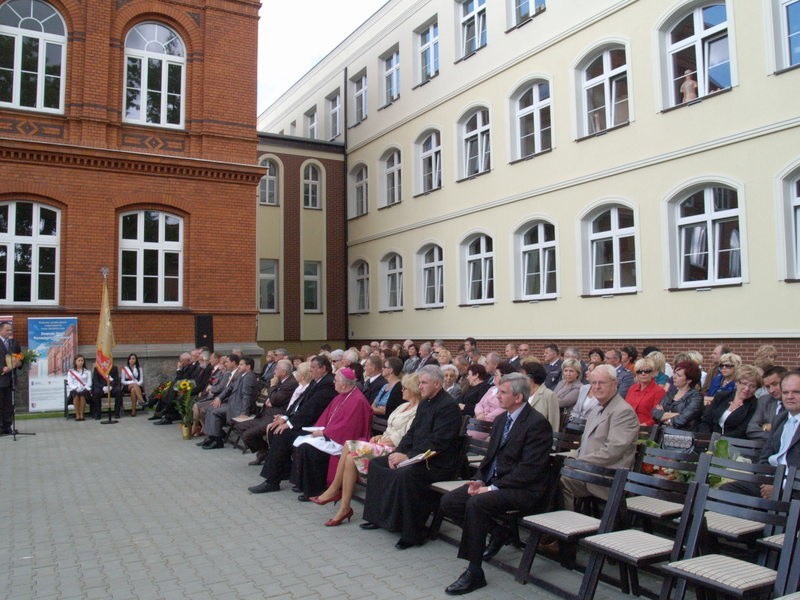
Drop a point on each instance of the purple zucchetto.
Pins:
(347, 373)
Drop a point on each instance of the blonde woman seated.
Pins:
(725, 380)
(569, 387)
(355, 457)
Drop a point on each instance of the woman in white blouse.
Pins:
(132, 379)
(79, 385)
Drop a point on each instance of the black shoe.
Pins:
(163, 421)
(297, 489)
(405, 544)
(154, 418)
(215, 444)
(303, 498)
(97, 417)
(206, 442)
(264, 488)
(466, 583)
(497, 540)
(369, 526)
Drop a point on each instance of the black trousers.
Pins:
(278, 464)
(311, 469)
(477, 514)
(253, 433)
(6, 409)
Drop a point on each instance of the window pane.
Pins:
(267, 294)
(728, 256)
(130, 227)
(47, 222)
(128, 262)
(150, 290)
(604, 267)
(532, 273)
(550, 271)
(719, 66)
(793, 32)
(24, 225)
(172, 263)
(128, 291)
(725, 199)
(627, 267)
(310, 295)
(267, 267)
(6, 68)
(694, 205)
(172, 228)
(22, 272)
(30, 66)
(625, 216)
(595, 68)
(714, 15)
(4, 218)
(133, 89)
(3, 271)
(602, 222)
(694, 244)
(47, 278)
(150, 262)
(684, 29)
(151, 226)
(171, 289)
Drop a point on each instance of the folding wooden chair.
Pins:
(750, 449)
(724, 575)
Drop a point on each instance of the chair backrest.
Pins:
(480, 444)
(378, 424)
(648, 432)
(791, 487)
(564, 442)
(742, 447)
(682, 461)
(788, 578)
(755, 473)
(771, 513)
(589, 473)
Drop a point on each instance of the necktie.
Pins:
(506, 429)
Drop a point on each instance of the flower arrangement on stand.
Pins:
(183, 404)
(25, 358)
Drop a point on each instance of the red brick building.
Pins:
(127, 141)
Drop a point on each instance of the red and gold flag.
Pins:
(105, 336)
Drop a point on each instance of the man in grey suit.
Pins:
(769, 405)
(609, 439)
(624, 377)
(236, 400)
(8, 346)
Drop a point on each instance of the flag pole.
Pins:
(105, 343)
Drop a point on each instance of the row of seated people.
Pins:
(87, 387)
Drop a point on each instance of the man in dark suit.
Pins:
(165, 409)
(551, 360)
(304, 412)
(373, 380)
(512, 476)
(8, 346)
(625, 378)
(425, 356)
(512, 357)
(100, 392)
(769, 405)
(280, 392)
(237, 400)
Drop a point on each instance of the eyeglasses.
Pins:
(644, 371)
(726, 366)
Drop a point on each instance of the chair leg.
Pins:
(528, 555)
(436, 524)
(591, 576)
(624, 578)
(634, 577)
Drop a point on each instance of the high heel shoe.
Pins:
(337, 522)
(335, 499)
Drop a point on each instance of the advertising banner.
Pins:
(56, 341)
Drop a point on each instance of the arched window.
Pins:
(312, 187)
(537, 273)
(33, 56)
(155, 77)
(708, 238)
(359, 191)
(359, 273)
(392, 266)
(268, 187)
(29, 253)
(698, 53)
(431, 262)
(392, 171)
(793, 205)
(604, 80)
(478, 254)
(611, 247)
(532, 124)
(151, 258)
(475, 136)
(429, 148)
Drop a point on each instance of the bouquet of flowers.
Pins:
(25, 358)
(183, 403)
(160, 391)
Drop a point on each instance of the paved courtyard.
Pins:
(130, 510)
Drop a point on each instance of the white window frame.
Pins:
(392, 172)
(431, 271)
(699, 44)
(55, 38)
(478, 269)
(476, 142)
(785, 36)
(359, 276)
(38, 242)
(268, 276)
(390, 63)
(359, 87)
(359, 178)
(520, 10)
(392, 268)
(611, 81)
(538, 115)
(543, 251)
(429, 149)
(708, 229)
(167, 60)
(428, 38)
(312, 274)
(793, 205)
(615, 235)
(162, 247)
(472, 20)
(269, 185)
(313, 187)
(310, 118)
(334, 111)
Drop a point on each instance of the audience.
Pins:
(568, 388)
(543, 400)
(390, 395)
(645, 394)
(682, 406)
(236, 401)
(725, 379)
(551, 359)
(769, 406)
(479, 384)
(731, 410)
(624, 380)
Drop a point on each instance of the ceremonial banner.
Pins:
(55, 340)
(105, 336)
